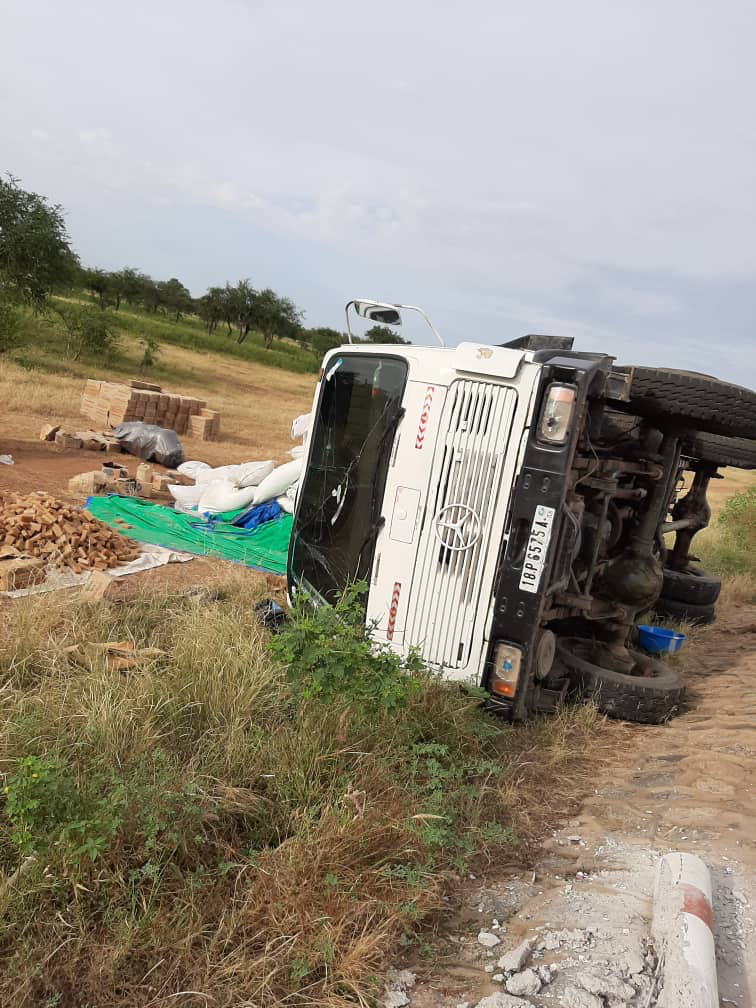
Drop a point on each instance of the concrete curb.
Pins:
(682, 930)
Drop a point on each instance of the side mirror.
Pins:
(386, 314)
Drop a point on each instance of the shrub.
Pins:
(729, 546)
(11, 335)
(330, 657)
(88, 331)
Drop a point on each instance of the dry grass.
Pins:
(252, 846)
(257, 403)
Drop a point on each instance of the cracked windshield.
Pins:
(339, 510)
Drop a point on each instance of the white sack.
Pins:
(253, 473)
(187, 496)
(301, 426)
(279, 481)
(191, 469)
(297, 451)
(286, 504)
(223, 495)
(205, 476)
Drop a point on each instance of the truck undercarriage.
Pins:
(638, 478)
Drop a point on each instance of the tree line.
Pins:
(37, 260)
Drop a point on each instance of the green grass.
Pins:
(225, 820)
(728, 547)
(191, 333)
(43, 343)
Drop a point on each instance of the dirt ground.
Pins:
(257, 407)
(585, 902)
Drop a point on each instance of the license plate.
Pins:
(538, 547)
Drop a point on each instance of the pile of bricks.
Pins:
(108, 404)
(88, 439)
(39, 525)
(114, 478)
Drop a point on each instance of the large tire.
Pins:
(691, 585)
(684, 612)
(643, 699)
(619, 427)
(722, 451)
(700, 401)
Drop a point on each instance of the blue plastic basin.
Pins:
(657, 640)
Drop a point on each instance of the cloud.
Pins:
(584, 169)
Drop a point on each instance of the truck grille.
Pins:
(456, 537)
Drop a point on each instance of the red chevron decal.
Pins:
(392, 611)
(424, 417)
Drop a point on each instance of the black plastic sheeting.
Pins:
(151, 443)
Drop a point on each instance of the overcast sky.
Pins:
(583, 168)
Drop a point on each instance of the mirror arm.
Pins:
(403, 306)
(409, 307)
(347, 306)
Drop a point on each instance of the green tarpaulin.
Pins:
(265, 547)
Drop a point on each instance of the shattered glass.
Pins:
(339, 518)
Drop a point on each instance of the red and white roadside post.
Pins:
(682, 928)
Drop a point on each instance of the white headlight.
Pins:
(556, 417)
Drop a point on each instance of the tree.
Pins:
(210, 307)
(323, 339)
(150, 295)
(175, 297)
(97, 282)
(132, 283)
(382, 334)
(243, 306)
(275, 315)
(127, 283)
(35, 254)
(229, 309)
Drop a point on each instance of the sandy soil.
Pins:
(688, 785)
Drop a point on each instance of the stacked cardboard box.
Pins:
(109, 404)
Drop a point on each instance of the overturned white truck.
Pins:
(509, 509)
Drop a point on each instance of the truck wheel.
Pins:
(691, 585)
(721, 451)
(703, 402)
(684, 612)
(650, 698)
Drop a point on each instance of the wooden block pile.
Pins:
(39, 525)
(205, 425)
(108, 404)
(87, 439)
